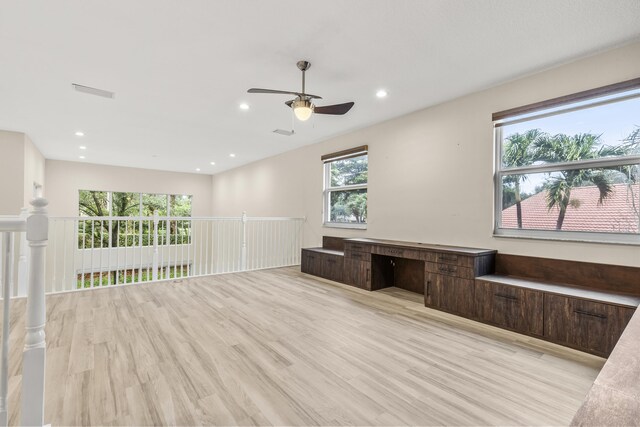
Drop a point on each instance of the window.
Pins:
(113, 230)
(345, 188)
(569, 168)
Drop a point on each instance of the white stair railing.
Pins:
(35, 226)
(89, 252)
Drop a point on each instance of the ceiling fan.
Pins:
(302, 106)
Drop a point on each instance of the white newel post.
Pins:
(34, 345)
(23, 260)
(156, 221)
(243, 254)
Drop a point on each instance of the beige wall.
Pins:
(21, 164)
(11, 172)
(34, 165)
(64, 180)
(430, 172)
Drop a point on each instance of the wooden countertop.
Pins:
(424, 246)
(614, 398)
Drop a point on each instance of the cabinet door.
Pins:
(332, 267)
(586, 325)
(357, 273)
(449, 293)
(311, 263)
(510, 307)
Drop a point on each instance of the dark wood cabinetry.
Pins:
(588, 310)
(447, 293)
(325, 263)
(587, 325)
(510, 307)
(311, 262)
(357, 265)
(357, 273)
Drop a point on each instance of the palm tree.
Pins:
(519, 150)
(564, 148)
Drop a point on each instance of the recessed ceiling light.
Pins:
(197, 169)
(381, 93)
(232, 155)
(244, 106)
(79, 133)
(213, 163)
(82, 147)
(81, 157)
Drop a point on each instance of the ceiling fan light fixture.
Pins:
(303, 109)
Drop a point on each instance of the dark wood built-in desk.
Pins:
(581, 305)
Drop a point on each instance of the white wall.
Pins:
(34, 170)
(64, 180)
(430, 172)
(21, 164)
(11, 172)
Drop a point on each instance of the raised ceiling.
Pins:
(180, 69)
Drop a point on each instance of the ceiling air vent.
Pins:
(93, 91)
(284, 132)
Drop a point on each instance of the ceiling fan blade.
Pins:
(282, 92)
(337, 109)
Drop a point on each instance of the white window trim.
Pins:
(557, 235)
(328, 189)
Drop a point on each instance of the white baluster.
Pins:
(34, 355)
(155, 246)
(7, 282)
(243, 253)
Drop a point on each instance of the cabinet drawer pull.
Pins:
(390, 251)
(587, 313)
(427, 287)
(507, 297)
(447, 268)
(449, 258)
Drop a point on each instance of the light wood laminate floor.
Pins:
(277, 347)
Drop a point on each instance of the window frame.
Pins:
(328, 189)
(166, 219)
(557, 106)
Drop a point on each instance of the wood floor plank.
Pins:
(278, 347)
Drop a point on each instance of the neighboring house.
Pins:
(618, 213)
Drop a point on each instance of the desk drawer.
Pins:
(586, 325)
(397, 252)
(361, 256)
(449, 258)
(356, 247)
(449, 270)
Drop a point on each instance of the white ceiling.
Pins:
(181, 68)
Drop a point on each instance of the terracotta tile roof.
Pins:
(615, 214)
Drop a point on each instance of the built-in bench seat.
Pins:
(327, 261)
(581, 305)
(565, 290)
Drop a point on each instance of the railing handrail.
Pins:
(12, 223)
(174, 218)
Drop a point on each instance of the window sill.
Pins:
(345, 225)
(569, 236)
